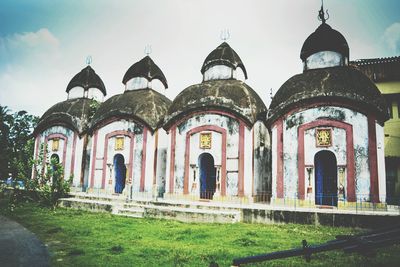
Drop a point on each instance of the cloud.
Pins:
(28, 47)
(29, 70)
(391, 37)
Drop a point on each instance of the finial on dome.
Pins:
(89, 60)
(147, 50)
(225, 35)
(321, 13)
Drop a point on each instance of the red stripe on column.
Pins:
(131, 154)
(373, 159)
(105, 158)
(223, 163)
(187, 159)
(241, 160)
(94, 158)
(279, 158)
(172, 161)
(143, 171)
(300, 159)
(155, 158)
(73, 154)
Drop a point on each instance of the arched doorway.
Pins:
(325, 178)
(207, 176)
(120, 173)
(54, 161)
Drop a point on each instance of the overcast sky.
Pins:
(44, 43)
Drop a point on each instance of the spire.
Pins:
(89, 60)
(321, 13)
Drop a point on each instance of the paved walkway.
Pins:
(19, 247)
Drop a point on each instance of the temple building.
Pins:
(219, 146)
(327, 128)
(128, 148)
(385, 73)
(321, 142)
(61, 133)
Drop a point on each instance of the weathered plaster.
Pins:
(360, 134)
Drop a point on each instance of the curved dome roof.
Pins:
(330, 84)
(87, 78)
(226, 95)
(144, 105)
(324, 39)
(72, 113)
(223, 55)
(145, 68)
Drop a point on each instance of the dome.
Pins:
(145, 68)
(86, 79)
(336, 84)
(233, 96)
(223, 55)
(324, 39)
(143, 105)
(72, 113)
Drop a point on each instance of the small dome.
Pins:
(86, 79)
(72, 113)
(336, 84)
(233, 96)
(143, 105)
(223, 55)
(324, 39)
(145, 68)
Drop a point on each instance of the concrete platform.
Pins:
(220, 212)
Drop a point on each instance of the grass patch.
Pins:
(78, 238)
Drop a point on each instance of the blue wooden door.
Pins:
(319, 181)
(120, 173)
(207, 176)
(325, 178)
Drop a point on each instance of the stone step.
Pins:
(194, 205)
(81, 195)
(131, 212)
(86, 204)
(193, 215)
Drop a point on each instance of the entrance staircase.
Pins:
(184, 211)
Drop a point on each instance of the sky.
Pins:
(44, 43)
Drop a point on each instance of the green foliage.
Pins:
(79, 238)
(16, 143)
(93, 106)
(48, 183)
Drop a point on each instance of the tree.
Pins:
(5, 122)
(16, 143)
(22, 144)
(48, 183)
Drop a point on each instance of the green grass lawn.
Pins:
(79, 238)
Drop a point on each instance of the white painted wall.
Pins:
(248, 162)
(219, 72)
(274, 159)
(68, 157)
(111, 152)
(290, 146)
(96, 94)
(232, 150)
(380, 136)
(324, 59)
(76, 92)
